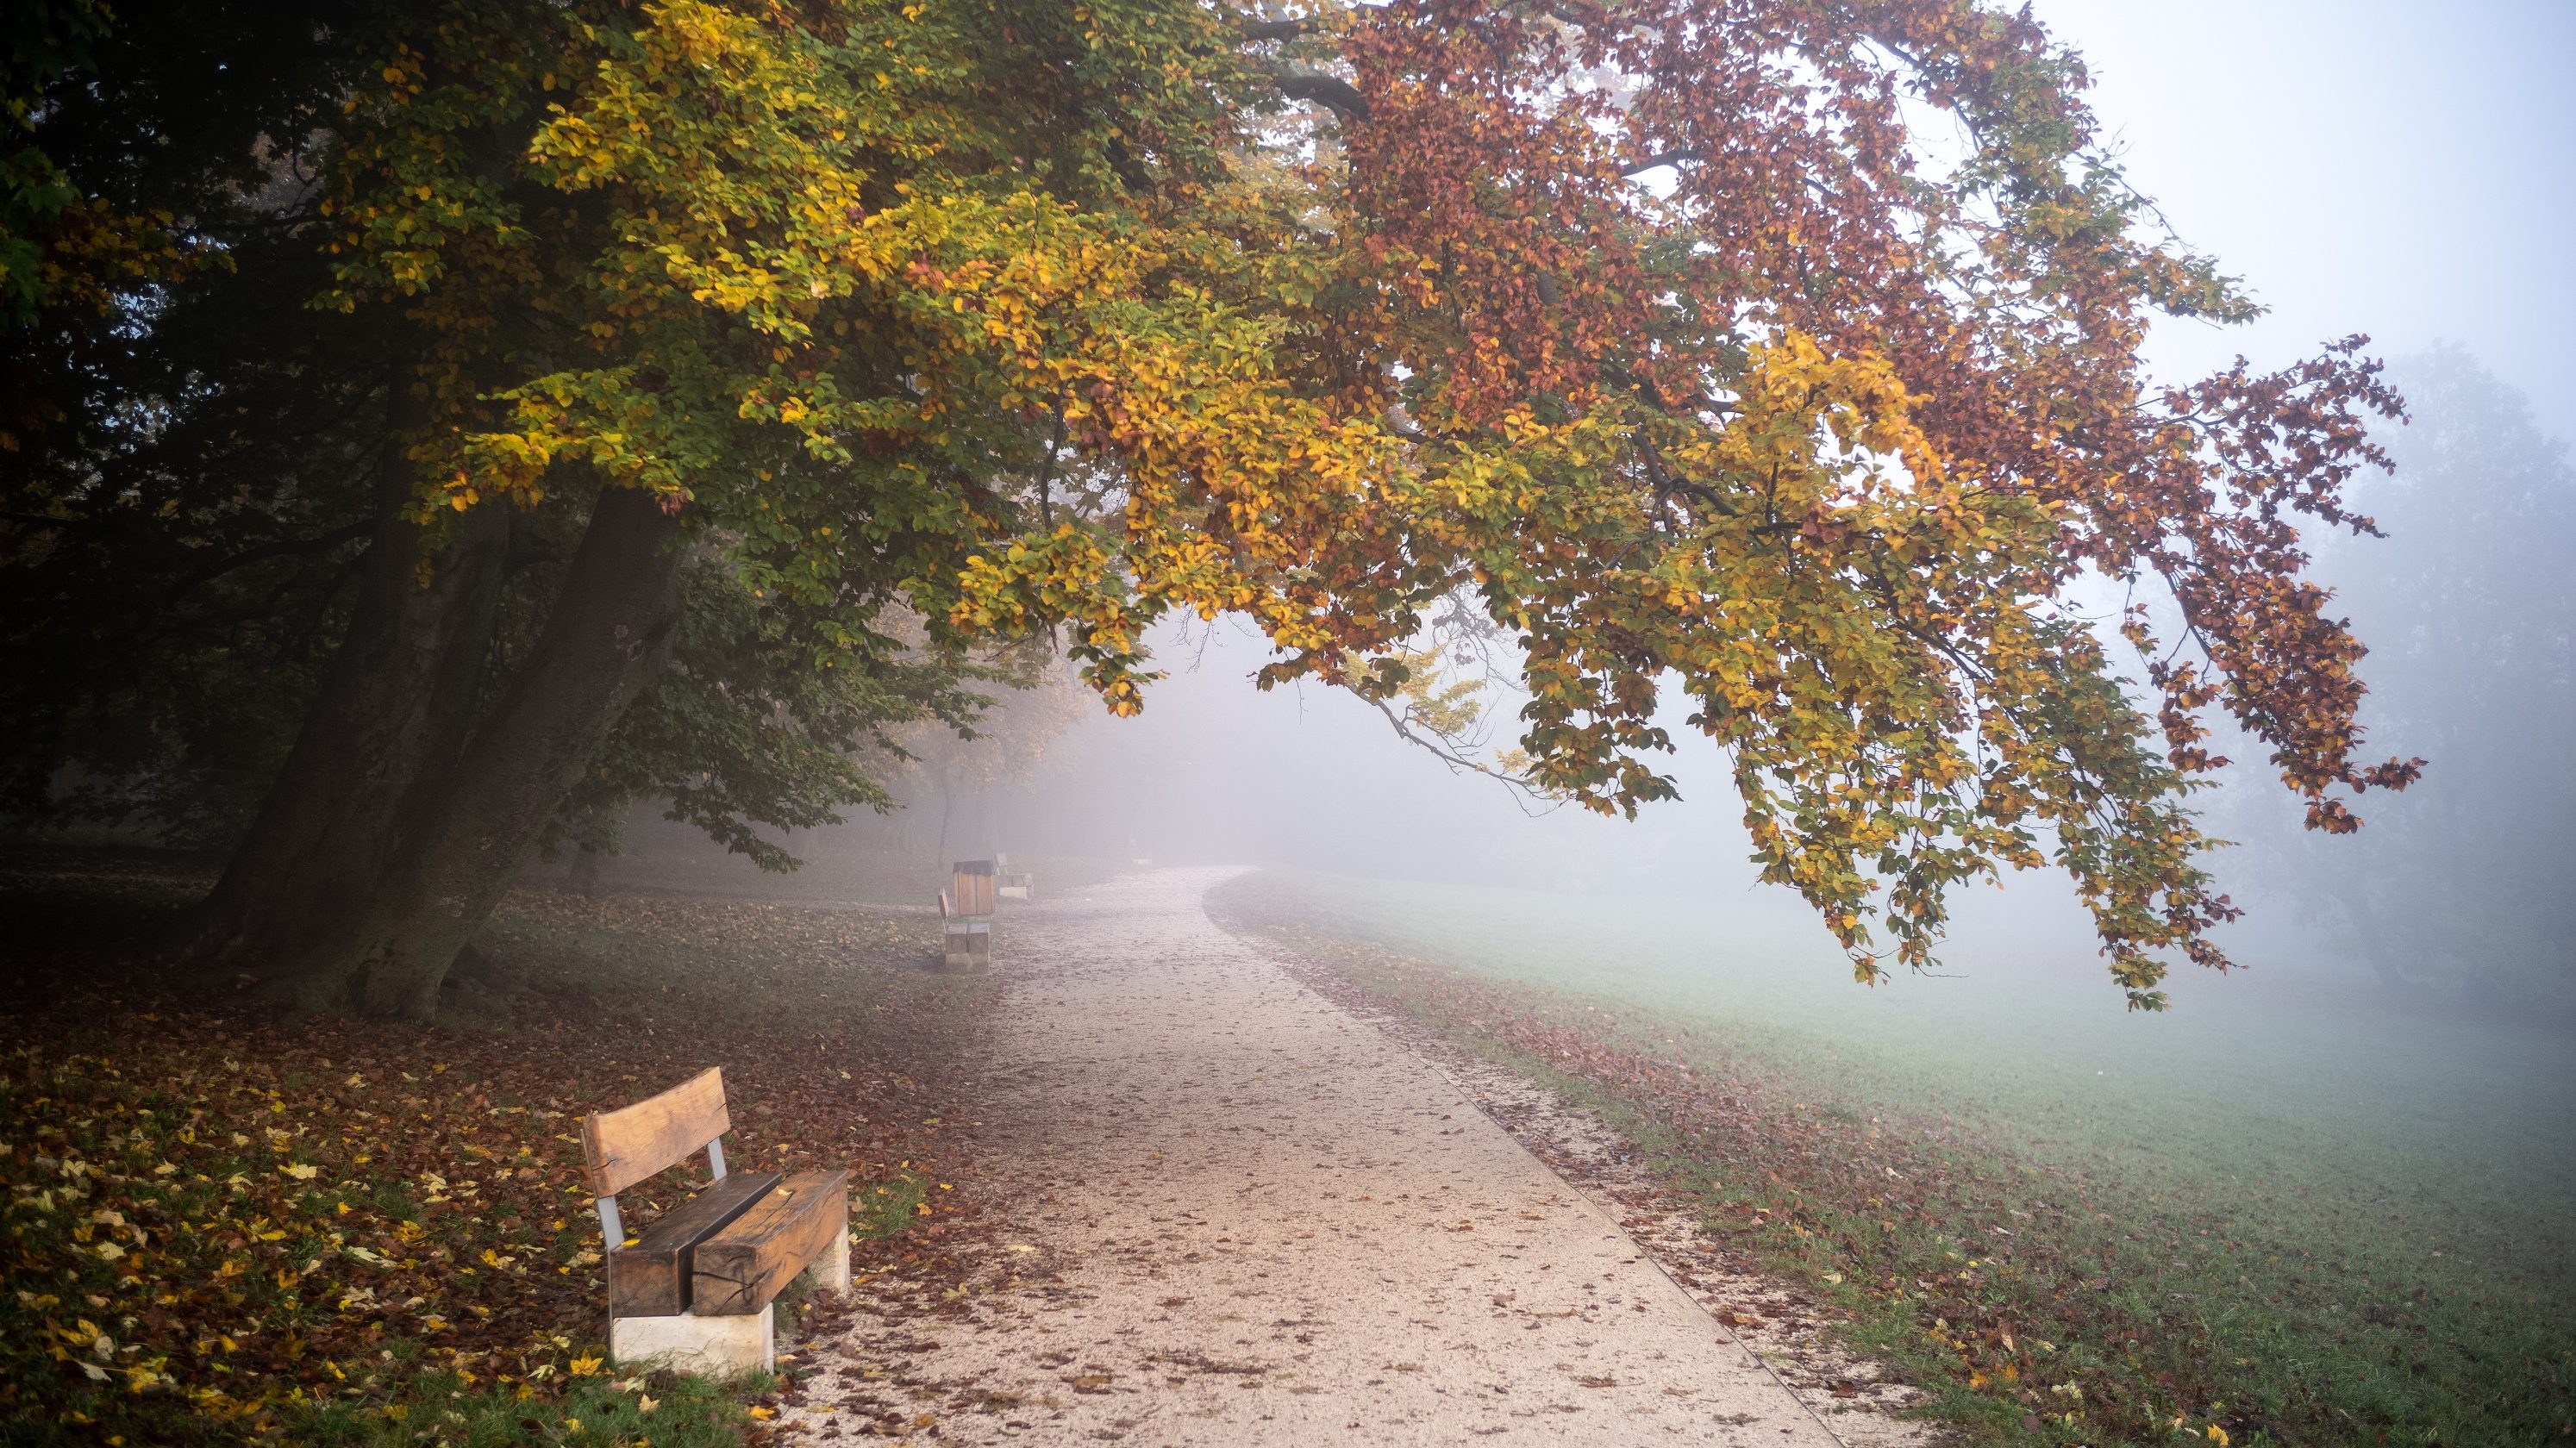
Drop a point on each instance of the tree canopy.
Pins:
(1784, 355)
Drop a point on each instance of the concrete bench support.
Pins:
(719, 1347)
(968, 946)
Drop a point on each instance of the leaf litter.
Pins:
(223, 1225)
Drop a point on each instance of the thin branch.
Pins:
(281, 548)
(1666, 485)
(1666, 158)
(1046, 479)
(1519, 785)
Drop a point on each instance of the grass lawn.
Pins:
(224, 1227)
(2261, 1218)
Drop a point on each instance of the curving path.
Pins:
(1242, 1215)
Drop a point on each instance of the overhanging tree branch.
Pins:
(1331, 92)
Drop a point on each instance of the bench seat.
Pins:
(652, 1277)
(749, 1261)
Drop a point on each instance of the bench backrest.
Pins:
(623, 1147)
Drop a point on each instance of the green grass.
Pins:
(665, 1411)
(2295, 1218)
(887, 1208)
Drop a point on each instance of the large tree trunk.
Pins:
(610, 629)
(393, 710)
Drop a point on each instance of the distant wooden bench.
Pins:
(1015, 884)
(967, 908)
(693, 1292)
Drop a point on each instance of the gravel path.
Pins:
(1239, 1214)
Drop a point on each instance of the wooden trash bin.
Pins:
(966, 910)
(970, 885)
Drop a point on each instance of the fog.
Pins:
(2366, 165)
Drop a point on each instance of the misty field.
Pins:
(2336, 1221)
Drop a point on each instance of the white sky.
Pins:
(2402, 169)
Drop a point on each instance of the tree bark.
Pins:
(947, 807)
(394, 707)
(611, 628)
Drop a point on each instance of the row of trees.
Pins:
(430, 426)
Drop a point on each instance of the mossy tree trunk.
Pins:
(610, 630)
(394, 710)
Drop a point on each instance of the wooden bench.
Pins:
(693, 1292)
(967, 908)
(1015, 884)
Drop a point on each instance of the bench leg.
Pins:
(832, 1269)
(967, 952)
(716, 1347)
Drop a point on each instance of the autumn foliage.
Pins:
(1775, 362)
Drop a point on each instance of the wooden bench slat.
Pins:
(741, 1268)
(651, 1278)
(620, 1148)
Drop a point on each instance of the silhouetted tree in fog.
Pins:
(2464, 883)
